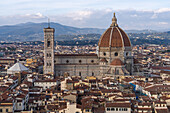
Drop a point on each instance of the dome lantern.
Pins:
(114, 21)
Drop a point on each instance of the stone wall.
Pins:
(77, 65)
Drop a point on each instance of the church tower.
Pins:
(49, 50)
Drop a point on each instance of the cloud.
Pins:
(79, 15)
(127, 19)
(34, 16)
(162, 10)
(163, 23)
(155, 15)
(108, 10)
(17, 19)
(135, 15)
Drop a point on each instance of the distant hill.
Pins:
(168, 32)
(34, 31)
(141, 31)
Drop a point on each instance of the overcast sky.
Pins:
(131, 14)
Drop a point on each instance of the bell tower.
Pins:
(49, 50)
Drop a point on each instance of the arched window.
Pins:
(48, 43)
(104, 54)
(79, 73)
(92, 61)
(108, 109)
(112, 109)
(80, 61)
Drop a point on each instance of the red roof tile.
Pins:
(117, 62)
(118, 105)
(114, 37)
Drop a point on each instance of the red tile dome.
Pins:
(114, 36)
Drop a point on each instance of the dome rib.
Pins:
(111, 37)
(116, 40)
(120, 36)
(125, 38)
(104, 40)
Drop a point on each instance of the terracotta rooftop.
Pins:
(118, 105)
(117, 62)
(162, 110)
(160, 68)
(103, 60)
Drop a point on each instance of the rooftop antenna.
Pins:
(48, 22)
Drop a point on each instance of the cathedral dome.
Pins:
(114, 36)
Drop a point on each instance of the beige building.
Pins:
(6, 106)
(113, 56)
(118, 108)
(71, 108)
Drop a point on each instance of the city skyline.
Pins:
(55, 59)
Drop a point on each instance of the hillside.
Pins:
(34, 31)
